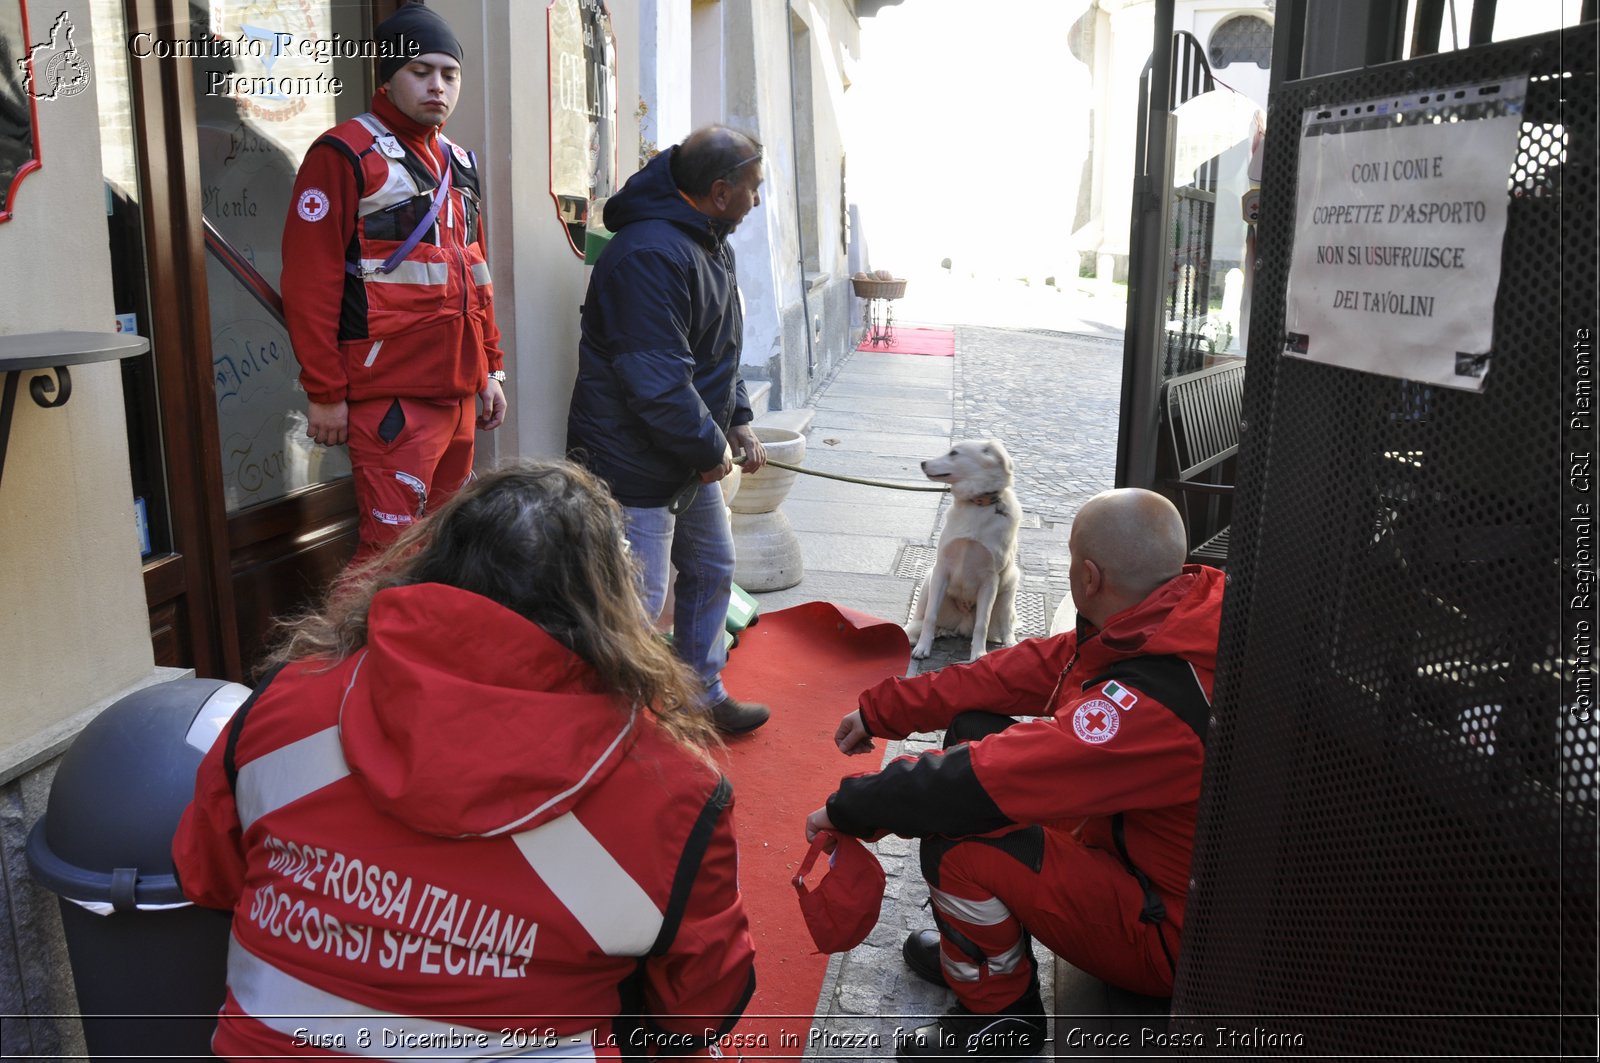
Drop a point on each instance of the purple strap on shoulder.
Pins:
(439, 196)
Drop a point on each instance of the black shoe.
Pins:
(921, 952)
(1014, 1032)
(736, 717)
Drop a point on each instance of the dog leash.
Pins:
(687, 492)
(942, 489)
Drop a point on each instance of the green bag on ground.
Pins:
(742, 610)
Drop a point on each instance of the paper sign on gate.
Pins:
(1400, 219)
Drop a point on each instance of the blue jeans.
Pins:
(699, 541)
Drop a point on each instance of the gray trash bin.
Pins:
(150, 967)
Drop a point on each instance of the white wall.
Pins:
(538, 281)
(688, 62)
(756, 77)
(665, 83)
(74, 626)
(706, 63)
(833, 39)
(758, 97)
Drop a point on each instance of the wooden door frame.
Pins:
(209, 546)
(162, 95)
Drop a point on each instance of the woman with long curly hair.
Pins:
(472, 806)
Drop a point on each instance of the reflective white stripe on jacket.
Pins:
(310, 1016)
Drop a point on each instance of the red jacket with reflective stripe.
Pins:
(427, 328)
(1122, 712)
(448, 830)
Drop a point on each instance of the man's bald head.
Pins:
(1134, 537)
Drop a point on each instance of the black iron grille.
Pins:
(1397, 847)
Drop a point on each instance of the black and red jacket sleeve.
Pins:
(1057, 770)
(1015, 681)
(701, 974)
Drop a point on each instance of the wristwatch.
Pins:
(498, 374)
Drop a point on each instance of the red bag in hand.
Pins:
(843, 909)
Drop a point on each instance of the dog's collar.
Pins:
(985, 500)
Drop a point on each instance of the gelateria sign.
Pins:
(583, 111)
(1400, 219)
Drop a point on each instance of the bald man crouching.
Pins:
(1075, 827)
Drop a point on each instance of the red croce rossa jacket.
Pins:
(426, 329)
(1123, 712)
(452, 834)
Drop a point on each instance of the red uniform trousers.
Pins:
(407, 456)
(1081, 903)
(989, 892)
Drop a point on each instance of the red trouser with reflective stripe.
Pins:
(1082, 904)
(408, 457)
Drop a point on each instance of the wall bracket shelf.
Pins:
(54, 351)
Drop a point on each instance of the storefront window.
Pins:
(129, 280)
(271, 91)
(26, 72)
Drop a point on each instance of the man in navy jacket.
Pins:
(659, 408)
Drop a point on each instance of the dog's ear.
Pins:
(996, 449)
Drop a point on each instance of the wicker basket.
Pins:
(876, 289)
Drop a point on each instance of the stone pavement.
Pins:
(1052, 398)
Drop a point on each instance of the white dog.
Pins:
(972, 589)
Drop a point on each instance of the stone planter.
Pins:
(766, 549)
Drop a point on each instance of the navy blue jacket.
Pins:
(658, 363)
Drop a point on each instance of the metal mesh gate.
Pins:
(1397, 847)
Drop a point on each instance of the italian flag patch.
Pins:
(1119, 695)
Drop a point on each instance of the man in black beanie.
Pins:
(409, 32)
(386, 287)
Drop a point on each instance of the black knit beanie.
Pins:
(409, 32)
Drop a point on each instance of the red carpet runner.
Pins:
(916, 339)
(808, 663)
